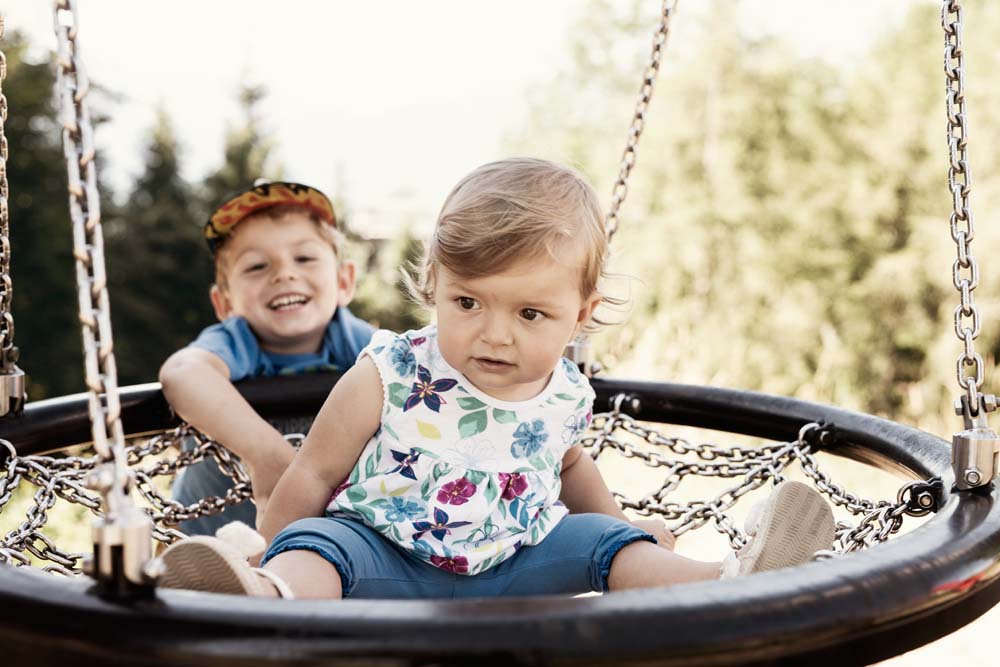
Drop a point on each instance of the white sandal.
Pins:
(209, 564)
(785, 530)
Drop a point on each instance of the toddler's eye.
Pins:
(466, 302)
(304, 258)
(531, 314)
(260, 266)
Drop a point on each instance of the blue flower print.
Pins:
(528, 439)
(406, 461)
(572, 371)
(402, 358)
(405, 509)
(574, 425)
(428, 392)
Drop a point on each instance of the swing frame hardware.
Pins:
(975, 451)
(122, 537)
(12, 394)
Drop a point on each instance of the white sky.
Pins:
(384, 104)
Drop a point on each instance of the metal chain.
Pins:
(965, 270)
(620, 190)
(88, 245)
(62, 478)
(617, 431)
(11, 377)
(6, 291)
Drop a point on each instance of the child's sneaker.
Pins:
(209, 564)
(785, 530)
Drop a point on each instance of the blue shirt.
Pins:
(235, 343)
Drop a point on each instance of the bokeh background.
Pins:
(786, 228)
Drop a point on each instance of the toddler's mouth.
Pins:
(286, 301)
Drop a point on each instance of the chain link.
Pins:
(62, 478)
(7, 354)
(620, 190)
(965, 270)
(101, 376)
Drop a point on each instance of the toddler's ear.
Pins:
(587, 311)
(346, 274)
(220, 301)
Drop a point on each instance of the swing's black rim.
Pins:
(852, 610)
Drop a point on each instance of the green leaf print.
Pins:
(440, 470)
(472, 423)
(398, 393)
(381, 503)
(425, 489)
(370, 466)
(538, 463)
(470, 403)
(388, 429)
(583, 402)
(565, 397)
(491, 491)
(504, 416)
(534, 534)
(356, 494)
(502, 508)
(367, 513)
(475, 476)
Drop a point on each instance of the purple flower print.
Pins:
(513, 485)
(406, 461)
(457, 492)
(439, 528)
(528, 439)
(456, 564)
(427, 391)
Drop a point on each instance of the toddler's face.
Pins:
(506, 332)
(285, 279)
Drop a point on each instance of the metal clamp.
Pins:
(975, 450)
(122, 562)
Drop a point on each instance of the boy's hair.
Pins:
(511, 210)
(327, 232)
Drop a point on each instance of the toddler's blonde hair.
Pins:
(511, 210)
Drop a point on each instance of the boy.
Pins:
(281, 292)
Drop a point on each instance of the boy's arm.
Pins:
(348, 419)
(584, 490)
(196, 384)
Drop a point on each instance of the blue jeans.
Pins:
(204, 480)
(574, 558)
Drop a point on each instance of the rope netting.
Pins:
(38, 487)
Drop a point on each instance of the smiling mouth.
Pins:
(287, 301)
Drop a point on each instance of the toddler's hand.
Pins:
(658, 529)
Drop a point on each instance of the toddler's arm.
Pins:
(348, 419)
(196, 384)
(584, 490)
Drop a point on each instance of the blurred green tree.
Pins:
(158, 268)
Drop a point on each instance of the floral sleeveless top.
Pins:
(458, 478)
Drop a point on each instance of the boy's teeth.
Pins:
(287, 301)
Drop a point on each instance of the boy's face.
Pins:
(506, 332)
(285, 279)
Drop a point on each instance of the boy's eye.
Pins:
(304, 258)
(259, 266)
(466, 302)
(531, 314)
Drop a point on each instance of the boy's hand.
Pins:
(266, 470)
(658, 529)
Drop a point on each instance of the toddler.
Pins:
(445, 462)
